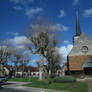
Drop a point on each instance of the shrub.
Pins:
(64, 79)
(46, 81)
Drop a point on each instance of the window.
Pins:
(85, 49)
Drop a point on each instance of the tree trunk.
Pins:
(23, 71)
(49, 73)
(41, 68)
(15, 70)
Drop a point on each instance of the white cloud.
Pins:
(35, 26)
(17, 8)
(66, 42)
(38, 27)
(59, 27)
(3, 47)
(64, 51)
(12, 33)
(18, 42)
(30, 12)
(87, 12)
(26, 6)
(75, 2)
(22, 2)
(62, 13)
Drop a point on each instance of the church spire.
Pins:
(78, 31)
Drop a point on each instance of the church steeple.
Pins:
(78, 31)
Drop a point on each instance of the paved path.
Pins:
(19, 86)
(12, 90)
(89, 81)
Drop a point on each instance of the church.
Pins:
(80, 57)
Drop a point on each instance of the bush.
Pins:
(46, 81)
(64, 79)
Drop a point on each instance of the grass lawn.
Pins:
(73, 87)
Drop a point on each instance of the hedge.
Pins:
(64, 79)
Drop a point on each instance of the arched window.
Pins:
(84, 49)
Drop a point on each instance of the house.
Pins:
(4, 71)
(80, 57)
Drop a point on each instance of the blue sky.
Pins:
(16, 14)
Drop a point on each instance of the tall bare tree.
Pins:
(42, 37)
(16, 50)
(15, 58)
(53, 57)
(24, 61)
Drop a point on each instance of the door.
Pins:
(88, 71)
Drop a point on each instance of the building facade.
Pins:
(80, 57)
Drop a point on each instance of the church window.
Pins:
(85, 49)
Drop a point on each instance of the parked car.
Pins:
(3, 80)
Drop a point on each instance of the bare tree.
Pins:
(42, 37)
(38, 64)
(53, 57)
(15, 58)
(4, 54)
(25, 59)
(16, 50)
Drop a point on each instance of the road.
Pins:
(15, 87)
(18, 87)
(13, 90)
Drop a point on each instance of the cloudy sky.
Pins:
(16, 14)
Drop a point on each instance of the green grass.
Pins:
(72, 87)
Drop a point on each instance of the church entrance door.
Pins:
(88, 71)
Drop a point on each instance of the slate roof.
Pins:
(88, 63)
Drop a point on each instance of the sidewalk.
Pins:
(89, 81)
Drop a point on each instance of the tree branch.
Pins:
(33, 52)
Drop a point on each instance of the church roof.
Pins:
(88, 63)
(83, 40)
